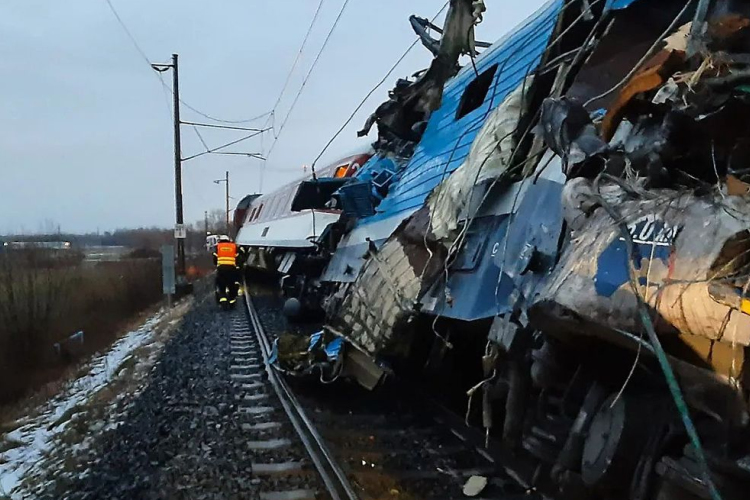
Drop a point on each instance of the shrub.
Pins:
(144, 253)
(43, 302)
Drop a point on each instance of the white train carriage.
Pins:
(275, 234)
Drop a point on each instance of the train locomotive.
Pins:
(559, 232)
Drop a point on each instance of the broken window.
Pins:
(476, 92)
(341, 171)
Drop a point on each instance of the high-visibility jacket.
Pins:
(226, 254)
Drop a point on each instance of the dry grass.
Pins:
(43, 301)
(71, 452)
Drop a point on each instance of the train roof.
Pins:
(449, 134)
(326, 171)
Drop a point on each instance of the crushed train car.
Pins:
(291, 231)
(565, 221)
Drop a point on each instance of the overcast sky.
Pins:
(86, 138)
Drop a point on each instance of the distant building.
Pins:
(48, 245)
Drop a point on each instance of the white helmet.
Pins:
(224, 237)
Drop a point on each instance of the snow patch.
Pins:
(35, 435)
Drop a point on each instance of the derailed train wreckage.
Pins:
(568, 218)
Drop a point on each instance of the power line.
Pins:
(143, 55)
(232, 143)
(166, 95)
(198, 133)
(223, 127)
(257, 156)
(307, 77)
(299, 55)
(219, 120)
(127, 32)
(372, 91)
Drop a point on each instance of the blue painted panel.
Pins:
(650, 238)
(357, 198)
(447, 141)
(346, 262)
(618, 4)
(473, 290)
(524, 247)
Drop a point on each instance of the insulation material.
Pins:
(685, 246)
(386, 291)
(393, 279)
(489, 157)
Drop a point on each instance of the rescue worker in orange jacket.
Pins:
(227, 271)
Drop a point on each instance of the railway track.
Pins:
(342, 443)
(249, 340)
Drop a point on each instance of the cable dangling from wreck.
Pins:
(371, 92)
(661, 356)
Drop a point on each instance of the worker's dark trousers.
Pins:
(227, 278)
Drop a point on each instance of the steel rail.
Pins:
(330, 471)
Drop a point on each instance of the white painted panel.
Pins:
(376, 231)
(288, 232)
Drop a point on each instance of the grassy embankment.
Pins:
(45, 298)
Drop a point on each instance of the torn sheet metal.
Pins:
(683, 245)
(375, 307)
(654, 73)
(316, 193)
(386, 292)
(629, 37)
(403, 116)
(509, 249)
(569, 131)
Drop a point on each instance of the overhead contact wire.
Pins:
(299, 56)
(372, 91)
(307, 77)
(143, 55)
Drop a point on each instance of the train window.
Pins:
(287, 203)
(252, 214)
(341, 171)
(476, 92)
(260, 209)
(273, 210)
(281, 204)
(264, 233)
(292, 194)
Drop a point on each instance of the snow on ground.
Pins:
(34, 438)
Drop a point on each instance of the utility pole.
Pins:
(179, 219)
(205, 221)
(227, 186)
(225, 180)
(178, 167)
